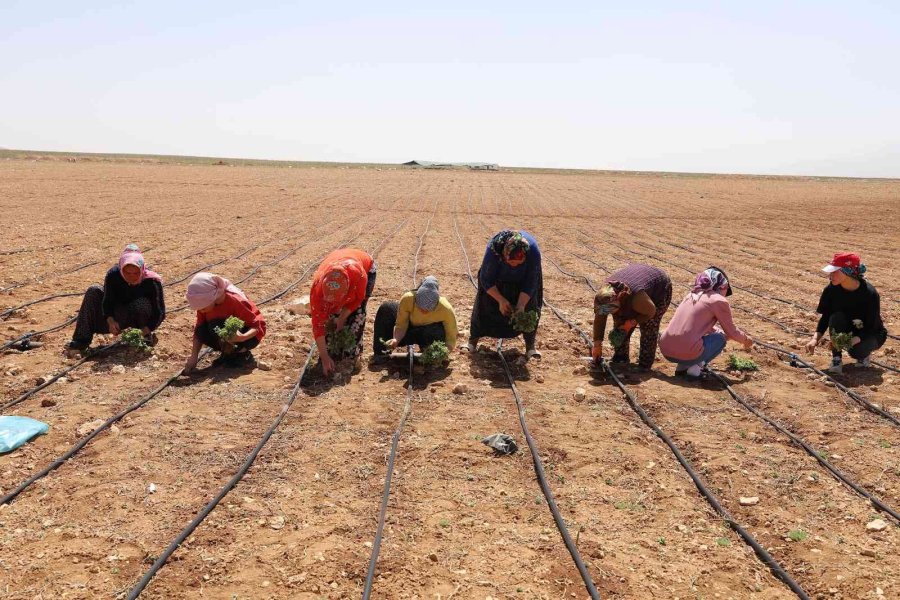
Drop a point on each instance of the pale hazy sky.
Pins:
(753, 87)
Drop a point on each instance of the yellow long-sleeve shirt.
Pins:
(410, 314)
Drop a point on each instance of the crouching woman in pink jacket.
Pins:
(701, 326)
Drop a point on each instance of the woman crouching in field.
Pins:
(131, 296)
(218, 303)
(851, 309)
(701, 326)
(422, 317)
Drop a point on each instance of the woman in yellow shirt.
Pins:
(421, 317)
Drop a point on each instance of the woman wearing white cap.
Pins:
(849, 305)
(422, 317)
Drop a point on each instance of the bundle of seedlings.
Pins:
(736, 363)
(229, 329)
(339, 342)
(524, 321)
(435, 355)
(134, 338)
(617, 337)
(840, 341)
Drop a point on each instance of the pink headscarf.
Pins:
(206, 288)
(131, 255)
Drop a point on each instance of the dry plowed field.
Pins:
(460, 522)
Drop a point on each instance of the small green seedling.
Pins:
(135, 338)
(840, 341)
(339, 342)
(524, 321)
(229, 329)
(737, 363)
(723, 541)
(797, 535)
(435, 354)
(617, 337)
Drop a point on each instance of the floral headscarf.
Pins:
(712, 279)
(509, 244)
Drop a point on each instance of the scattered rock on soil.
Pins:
(118, 370)
(749, 500)
(48, 402)
(580, 394)
(460, 388)
(88, 427)
(876, 525)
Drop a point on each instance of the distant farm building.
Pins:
(427, 164)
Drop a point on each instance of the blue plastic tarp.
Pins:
(15, 431)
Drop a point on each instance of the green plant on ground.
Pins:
(840, 341)
(230, 328)
(524, 321)
(797, 535)
(737, 363)
(339, 342)
(135, 338)
(723, 541)
(617, 337)
(435, 354)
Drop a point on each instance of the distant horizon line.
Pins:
(15, 153)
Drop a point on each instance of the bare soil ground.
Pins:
(461, 522)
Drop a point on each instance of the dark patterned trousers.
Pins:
(91, 320)
(649, 336)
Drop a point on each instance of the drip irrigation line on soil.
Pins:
(837, 473)
(60, 374)
(10, 311)
(33, 279)
(776, 569)
(542, 481)
(235, 479)
(794, 360)
(395, 440)
(535, 455)
(112, 420)
(22, 339)
(61, 460)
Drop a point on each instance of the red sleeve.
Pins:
(247, 312)
(359, 279)
(317, 311)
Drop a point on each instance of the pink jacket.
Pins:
(697, 316)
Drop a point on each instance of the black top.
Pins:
(864, 304)
(117, 291)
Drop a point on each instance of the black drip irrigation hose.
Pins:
(81, 443)
(395, 441)
(542, 481)
(33, 279)
(795, 360)
(837, 473)
(10, 311)
(235, 479)
(535, 455)
(60, 374)
(36, 334)
(385, 496)
(748, 538)
(86, 439)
